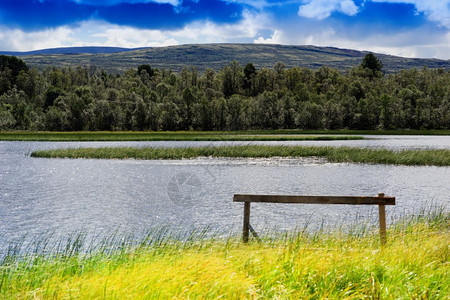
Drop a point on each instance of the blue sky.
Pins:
(411, 28)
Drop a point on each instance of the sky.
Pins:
(410, 28)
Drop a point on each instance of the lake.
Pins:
(59, 197)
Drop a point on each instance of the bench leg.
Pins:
(246, 228)
(382, 216)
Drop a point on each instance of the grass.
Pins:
(333, 154)
(253, 135)
(363, 132)
(413, 265)
(169, 136)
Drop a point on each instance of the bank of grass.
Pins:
(414, 264)
(101, 136)
(440, 157)
(253, 135)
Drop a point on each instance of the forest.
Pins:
(233, 98)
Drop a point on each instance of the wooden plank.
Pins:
(382, 217)
(254, 233)
(354, 200)
(246, 227)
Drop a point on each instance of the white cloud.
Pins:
(247, 28)
(97, 33)
(414, 43)
(87, 34)
(276, 38)
(128, 37)
(348, 7)
(18, 40)
(435, 10)
(321, 9)
(254, 3)
(114, 2)
(424, 41)
(173, 2)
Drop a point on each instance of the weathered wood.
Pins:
(353, 200)
(381, 200)
(246, 228)
(254, 233)
(382, 216)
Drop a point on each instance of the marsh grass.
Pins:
(170, 136)
(296, 265)
(439, 157)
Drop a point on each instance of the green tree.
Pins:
(188, 101)
(14, 64)
(232, 78)
(51, 95)
(372, 66)
(370, 61)
(385, 112)
(249, 79)
(7, 120)
(149, 70)
(139, 118)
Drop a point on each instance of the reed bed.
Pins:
(170, 136)
(297, 265)
(439, 157)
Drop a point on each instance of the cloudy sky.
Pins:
(412, 28)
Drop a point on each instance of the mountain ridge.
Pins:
(216, 56)
(70, 50)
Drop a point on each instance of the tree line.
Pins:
(233, 98)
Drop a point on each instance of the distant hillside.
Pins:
(70, 50)
(216, 56)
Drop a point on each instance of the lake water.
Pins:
(59, 197)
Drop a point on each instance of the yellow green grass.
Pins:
(413, 265)
(334, 154)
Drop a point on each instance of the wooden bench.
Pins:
(381, 200)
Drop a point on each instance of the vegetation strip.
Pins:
(298, 265)
(171, 136)
(440, 157)
(256, 135)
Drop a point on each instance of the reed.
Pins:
(298, 265)
(440, 157)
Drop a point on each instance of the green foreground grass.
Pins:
(413, 265)
(99, 136)
(333, 154)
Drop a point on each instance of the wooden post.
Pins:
(246, 228)
(382, 217)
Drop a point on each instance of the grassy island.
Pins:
(334, 154)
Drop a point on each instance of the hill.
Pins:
(70, 50)
(216, 56)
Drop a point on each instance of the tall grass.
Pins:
(333, 154)
(413, 265)
(169, 136)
